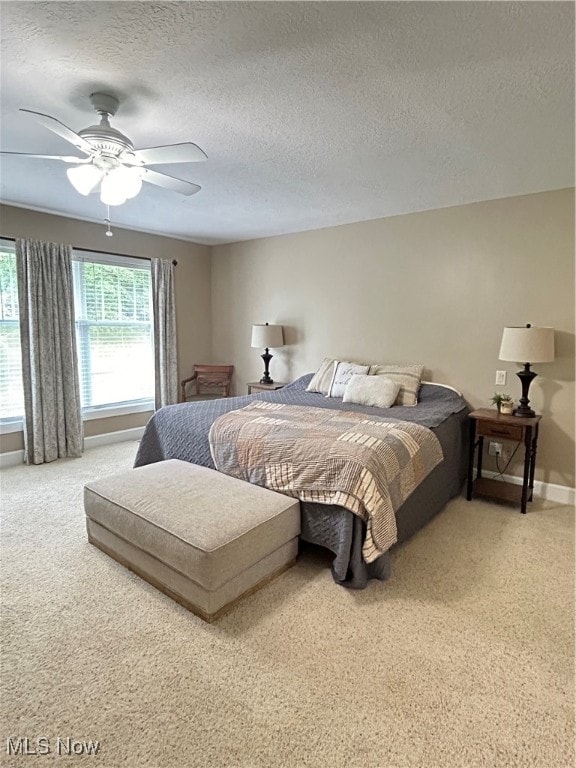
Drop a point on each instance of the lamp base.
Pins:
(526, 413)
(266, 379)
(526, 376)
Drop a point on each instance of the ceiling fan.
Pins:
(111, 160)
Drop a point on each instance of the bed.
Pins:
(181, 432)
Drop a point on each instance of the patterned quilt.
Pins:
(369, 466)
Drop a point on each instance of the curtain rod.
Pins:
(93, 250)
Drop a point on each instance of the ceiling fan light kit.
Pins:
(112, 162)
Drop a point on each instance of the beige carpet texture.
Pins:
(464, 658)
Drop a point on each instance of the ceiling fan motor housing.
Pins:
(103, 137)
(106, 139)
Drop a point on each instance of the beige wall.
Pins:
(434, 287)
(193, 288)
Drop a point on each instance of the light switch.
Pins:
(500, 378)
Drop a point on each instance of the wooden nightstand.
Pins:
(488, 423)
(255, 386)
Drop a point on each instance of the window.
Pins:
(11, 392)
(113, 306)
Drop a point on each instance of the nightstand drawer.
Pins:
(490, 429)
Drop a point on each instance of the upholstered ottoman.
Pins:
(201, 537)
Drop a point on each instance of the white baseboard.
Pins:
(562, 494)
(108, 438)
(12, 458)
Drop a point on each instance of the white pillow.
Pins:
(371, 390)
(322, 379)
(343, 372)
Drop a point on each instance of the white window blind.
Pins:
(11, 392)
(113, 306)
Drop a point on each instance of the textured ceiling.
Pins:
(311, 114)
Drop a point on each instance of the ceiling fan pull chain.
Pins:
(109, 232)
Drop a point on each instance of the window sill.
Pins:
(88, 414)
(11, 425)
(107, 411)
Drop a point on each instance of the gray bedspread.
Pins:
(181, 432)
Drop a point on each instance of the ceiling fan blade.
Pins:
(64, 158)
(169, 182)
(171, 153)
(61, 130)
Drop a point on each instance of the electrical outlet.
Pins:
(494, 449)
(500, 378)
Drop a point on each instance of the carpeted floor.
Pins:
(465, 658)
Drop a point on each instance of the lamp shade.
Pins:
(128, 181)
(527, 345)
(267, 336)
(84, 178)
(110, 193)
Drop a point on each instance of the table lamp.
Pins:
(522, 344)
(267, 336)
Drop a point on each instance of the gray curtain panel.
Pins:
(52, 411)
(164, 310)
